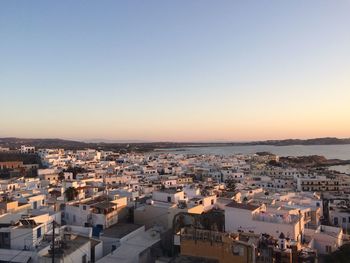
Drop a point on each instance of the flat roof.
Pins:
(18, 256)
(243, 206)
(120, 230)
(131, 249)
(169, 191)
(72, 246)
(104, 205)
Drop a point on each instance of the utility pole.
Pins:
(53, 242)
(300, 232)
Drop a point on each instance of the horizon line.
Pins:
(165, 141)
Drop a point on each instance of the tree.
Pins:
(71, 193)
(230, 185)
(341, 255)
(61, 176)
(205, 191)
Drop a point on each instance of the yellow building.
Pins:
(218, 246)
(184, 180)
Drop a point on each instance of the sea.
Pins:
(341, 152)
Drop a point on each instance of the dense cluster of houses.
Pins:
(101, 206)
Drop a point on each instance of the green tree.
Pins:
(342, 255)
(61, 176)
(71, 193)
(230, 185)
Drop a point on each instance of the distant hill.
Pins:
(15, 143)
(316, 141)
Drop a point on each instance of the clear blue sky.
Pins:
(175, 70)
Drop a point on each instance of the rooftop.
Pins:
(169, 191)
(120, 230)
(130, 250)
(243, 206)
(18, 256)
(71, 245)
(104, 205)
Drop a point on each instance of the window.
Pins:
(114, 247)
(169, 199)
(83, 259)
(38, 232)
(74, 218)
(212, 201)
(336, 221)
(84, 207)
(344, 220)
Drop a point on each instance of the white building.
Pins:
(251, 218)
(27, 149)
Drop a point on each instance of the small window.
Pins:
(336, 221)
(38, 232)
(169, 199)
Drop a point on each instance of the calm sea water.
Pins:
(341, 168)
(341, 152)
(329, 151)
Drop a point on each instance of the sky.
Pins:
(185, 70)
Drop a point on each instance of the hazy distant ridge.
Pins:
(316, 141)
(147, 146)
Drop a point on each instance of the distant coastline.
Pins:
(13, 143)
